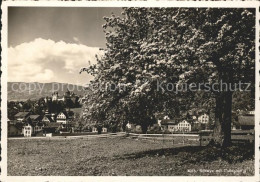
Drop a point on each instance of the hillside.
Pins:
(18, 91)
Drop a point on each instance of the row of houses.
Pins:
(28, 124)
(179, 125)
(62, 117)
(242, 122)
(202, 122)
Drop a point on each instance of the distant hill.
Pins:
(20, 91)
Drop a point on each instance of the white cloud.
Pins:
(43, 60)
(76, 39)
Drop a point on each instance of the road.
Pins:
(109, 135)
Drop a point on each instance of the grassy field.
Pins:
(123, 156)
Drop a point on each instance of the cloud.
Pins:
(76, 40)
(46, 60)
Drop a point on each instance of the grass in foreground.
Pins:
(124, 156)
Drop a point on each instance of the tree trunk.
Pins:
(226, 124)
(217, 131)
(223, 114)
(144, 127)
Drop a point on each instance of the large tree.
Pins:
(226, 49)
(147, 47)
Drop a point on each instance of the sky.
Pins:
(51, 44)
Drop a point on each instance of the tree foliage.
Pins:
(147, 46)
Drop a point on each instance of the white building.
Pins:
(251, 112)
(183, 126)
(62, 118)
(30, 129)
(94, 130)
(203, 119)
(37, 128)
(27, 130)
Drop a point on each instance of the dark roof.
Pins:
(49, 118)
(76, 110)
(34, 117)
(30, 123)
(189, 120)
(169, 121)
(22, 114)
(39, 124)
(68, 125)
(173, 122)
(52, 125)
(246, 120)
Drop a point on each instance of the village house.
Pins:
(32, 128)
(51, 127)
(203, 119)
(34, 118)
(27, 130)
(47, 119)
(94, 129)
(62, 117)
(21, 116)
(176, 126)
(38, 127)
(160, 117)
(36, 123)
(104, 130)
(251, 113)
(182, 126)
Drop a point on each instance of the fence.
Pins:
(238, 136)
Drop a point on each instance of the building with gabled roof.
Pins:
(28, 130)
(30, 127)
(51, 127)
(62, 117)
(34, 117)
(177, 125)
(21, 116)
(47, 119)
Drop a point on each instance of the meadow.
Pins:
(124, 156)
